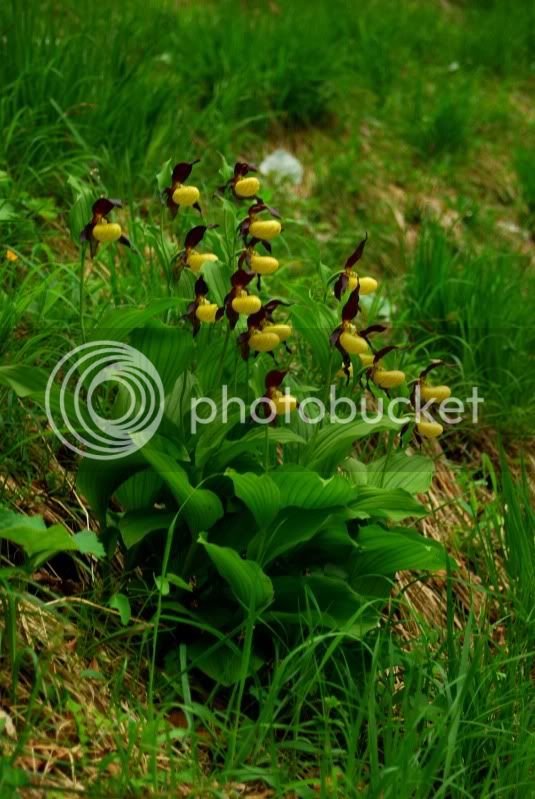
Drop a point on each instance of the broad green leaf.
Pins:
(117, 324)
(303, 488)
(254, 442)
(384, 503)
(314, 324)
(169, 349)
(326, 451)
(293, 526)
(259, 493)
(32, 534)
(385, 552)
(221, 661)
(98, 480)
(251, 587)
(88, 543)
(121, 603)
(140, 490)
(318, 600)
(137, 524)
(163, 177)
(200, 507)
(413, 473)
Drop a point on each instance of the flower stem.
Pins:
(222, 364)
(82, 290)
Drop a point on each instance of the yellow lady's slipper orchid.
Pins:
(366, 358)
(247, 187)
(265, 229)
(283, 403)
(438, 393)
(348, 374)
(206, 311)
(186, 195)
(246, 304)
(352, 343)
(196, 260)
(107, 231)
(281, 330)
(264, 264)
(388, 378)
(430, 429)
(367, 284)
(263, 341)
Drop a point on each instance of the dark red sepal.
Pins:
(351, 308)
(357, 254)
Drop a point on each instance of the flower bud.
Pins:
(196, 260)
(388, 379)
(264, 264)
(430, 429)
(435, 392)
(206, 312)
(107, 231)
(247, 187)
(265, 229)
(263, 341)
(367, 284)
(186, 195)
(353, 344)
(246, 304)
(280, 330)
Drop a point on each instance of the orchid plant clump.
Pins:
(278, 519)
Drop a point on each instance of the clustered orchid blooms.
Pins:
(262, 333)
(100, 229)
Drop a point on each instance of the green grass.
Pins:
(390, 105)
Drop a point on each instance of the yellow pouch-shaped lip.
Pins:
(247, 187)
(206, 312)
(438, 393)
(107, 231)
(263, 341)
(282, 331)
(264, 264)
(186, 195)
(265, 229)
(388, 379)
(430, 429)
(197, 259)
(247, 304)
(353, 344)
(367, 284)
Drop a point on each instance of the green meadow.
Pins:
(287, 610)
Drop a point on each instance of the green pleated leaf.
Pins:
(251, 587)
(200, 508)
(259, 493)
(413, 473)
(385, 552)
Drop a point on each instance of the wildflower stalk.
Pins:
(222, 364)
(82, 290)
